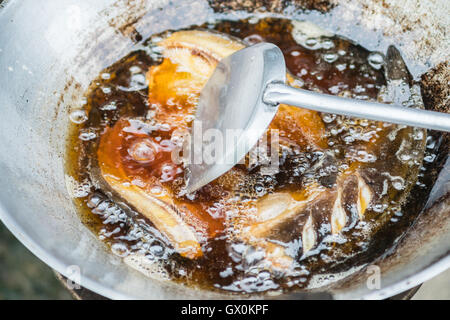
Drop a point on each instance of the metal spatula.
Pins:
(243, 95)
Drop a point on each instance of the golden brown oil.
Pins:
(327, 64)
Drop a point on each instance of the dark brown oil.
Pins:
(338, 67)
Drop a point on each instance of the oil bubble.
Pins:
(330, 57)
(375, 60)
(106, 90)
(87, 136)
(109, 106)
(78, 116)
(156, 190)
(327, 44)
(120, 249)
(398, 183)
(328, 117)
(138, 81)
(312, 44)
(135, 69)
(341, 67)
(253, 20)
(253, 39)
(157, 249)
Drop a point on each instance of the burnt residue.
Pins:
(125, 23)
(269, 5)
(436, 96)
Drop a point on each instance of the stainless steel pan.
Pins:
(49, 52)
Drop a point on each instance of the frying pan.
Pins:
(49, 52)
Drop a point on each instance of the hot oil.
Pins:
(327, 64)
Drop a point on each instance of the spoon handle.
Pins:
(276, 93)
